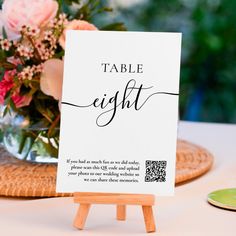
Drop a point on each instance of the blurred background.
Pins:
(208, 70)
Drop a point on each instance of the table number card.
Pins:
(119, 112)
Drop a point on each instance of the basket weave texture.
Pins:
(23, 179)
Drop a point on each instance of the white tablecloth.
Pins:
(187, 213)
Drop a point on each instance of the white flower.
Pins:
(10, 34)
(27, 73)
(5, 44)
(25, 51)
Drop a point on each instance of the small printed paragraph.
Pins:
(104, 170)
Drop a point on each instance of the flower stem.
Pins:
(53, 125)
(37, 54)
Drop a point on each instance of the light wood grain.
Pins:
(121, 212)
(121, 200)
(149, 219)
(108, 198)
(81, 216)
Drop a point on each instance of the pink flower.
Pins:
(7, 84)
(75, 25)
(11, 35)
(34, 13)
(52, 77)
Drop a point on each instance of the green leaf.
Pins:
(2, 72)
(90, 9)
(12, 105)
(42, 96)
(60, 54)
(69, 2)
(7, 65)
(22, 143)
(4, 33)
(19, 67)
(50, 148)
(31, 143)
(7, 97)
(50, 113)
(2, 55)
(6, 110)
(59, 3)
(43, 110)
(107, 9)
(114, 26)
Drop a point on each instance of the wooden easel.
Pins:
(121, 200)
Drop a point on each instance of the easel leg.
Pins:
(120, 200)
(81, 216)
(121, 212)
(149, 219)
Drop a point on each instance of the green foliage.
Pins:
(2, 71)
(119, 26)
(85, 10)
(4, 33)
(208, 71)
(89, 10)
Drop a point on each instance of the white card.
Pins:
(119, 112)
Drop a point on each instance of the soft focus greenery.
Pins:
(208, 72)
(89, 10)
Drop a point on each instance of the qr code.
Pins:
(155, 171)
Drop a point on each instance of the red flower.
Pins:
(21, 101)
(6, 84)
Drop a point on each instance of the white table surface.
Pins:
(187, 213)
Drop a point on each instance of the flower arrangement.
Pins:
(32, 44)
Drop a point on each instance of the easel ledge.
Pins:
(121, 200)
